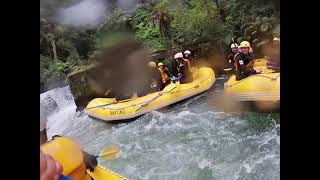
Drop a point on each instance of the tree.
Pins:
(222, 11)
(159, 24)
(161, 17)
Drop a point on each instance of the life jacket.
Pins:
(164, 76)
(69, 155)
(236, 61)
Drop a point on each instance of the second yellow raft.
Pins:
(109, 109)
(259, 87)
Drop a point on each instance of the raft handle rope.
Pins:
(160, 94)
(114, 102)
(237, 82)
(272, 78)
(145, 104)
(196, 86)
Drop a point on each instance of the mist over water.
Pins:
(127, 4)
(83, 14)
(87, 13)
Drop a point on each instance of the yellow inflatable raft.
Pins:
(69, 155)
(259, 87)
(102, 173)
(109, 109)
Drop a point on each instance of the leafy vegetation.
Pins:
(160, 25)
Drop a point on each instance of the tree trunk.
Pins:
(54, 50)
(221, 11)
(217, 3)
(276, 4)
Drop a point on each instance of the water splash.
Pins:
(189, 140)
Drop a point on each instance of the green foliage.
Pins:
(253, 20)
(72, 48)
(146, 30)
(118, 21)
(84, 43)
(44, 70)
(198, 22)
(59, 69)
(159, 24)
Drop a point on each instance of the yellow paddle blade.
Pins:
(112, 152)
(228, 69)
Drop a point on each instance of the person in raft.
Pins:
(183, 68)
(165, 74)
(230, 55)
(242, 59)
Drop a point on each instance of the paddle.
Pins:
(167, 89)
(227, 69)
(109, 153)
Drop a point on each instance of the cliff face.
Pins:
(85, 85)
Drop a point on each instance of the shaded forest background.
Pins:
(70, 33)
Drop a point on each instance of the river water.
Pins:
(189, 140)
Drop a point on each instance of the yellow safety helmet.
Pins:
(244, 44)
(160, 64)
(152, 64)
(276, 39)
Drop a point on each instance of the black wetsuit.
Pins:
(184, 69)
(174, 69)
(241, 61)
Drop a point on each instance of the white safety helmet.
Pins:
(178, 55)
(234, 45)
(276, 39)
(187, 52)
